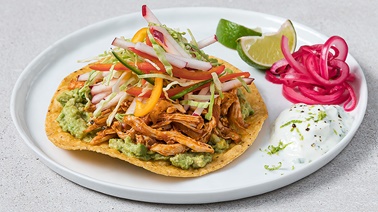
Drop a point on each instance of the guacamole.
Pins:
(183, 161)
(131, 149)
(73, 118)
(219, 144)
(191, 159)
(246, 108)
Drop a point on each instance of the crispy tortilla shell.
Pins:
(66, 141)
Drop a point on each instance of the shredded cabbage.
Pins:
(195, 103)
(110, 118)
(199, 97)
(110, 76)
(102, 104)
(181, 82)
(244, 84)
(160, 53)
(209, 113)
(217, 83)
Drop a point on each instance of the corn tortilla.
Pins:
(66, 141)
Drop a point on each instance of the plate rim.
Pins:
(88, 182)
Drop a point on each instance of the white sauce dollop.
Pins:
(309, 131)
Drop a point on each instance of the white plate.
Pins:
(244, 177)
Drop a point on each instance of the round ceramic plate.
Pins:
(244, 177)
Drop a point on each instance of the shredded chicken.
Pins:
(145, 140)
(169, 149)
(170, 130)
(229, 98)
(168, 136)
(75, 84)
(160, 108)
(103, 136)
(187, 120)
(235, 115)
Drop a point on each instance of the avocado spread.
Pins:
(73, 118)
(191, 159)
(246, 108)
(138, 150)
(183, 161)
(219, 144)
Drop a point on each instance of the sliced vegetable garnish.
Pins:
(209, 113)
(133, 69)
(233, 75)
(107, 66)
(316, 74)
(217, 84)
(124, 77)
(176, 93)
(140, 35)
(226, 86)
(102, 104)
(149, 15)
(162, 36)
(143, 109)
(207, 41)
(195, 103)
(110, 76)
(143, 66)
(141, 47)
(160, 53)
(181, 82)
(110, 118)
(185, 90)
(197, 75)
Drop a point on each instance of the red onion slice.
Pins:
(342, 53)
(316, 74)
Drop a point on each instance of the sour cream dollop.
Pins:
(305, 132)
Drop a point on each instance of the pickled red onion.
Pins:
(316, 74)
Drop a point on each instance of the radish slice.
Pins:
(131, 108)
(149, 16)
(226, 86)
(150, 51)
(109, 101)
(176, 60)
(198, 110)
(101, 87)
(207, 41)
(123, 96)
(85, 76)
(193, 63)
(119, 42)
(168, 42)
(100, 96)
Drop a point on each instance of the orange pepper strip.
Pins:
(143, 109)
(140, 35)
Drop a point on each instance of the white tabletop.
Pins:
(347, 183)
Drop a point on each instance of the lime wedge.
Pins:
(262, 52)
(228, 32)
